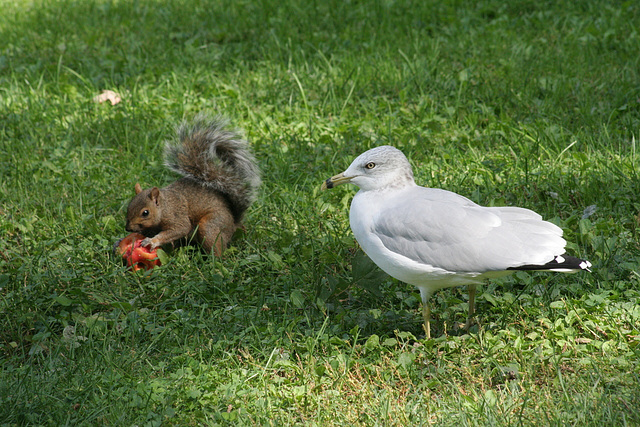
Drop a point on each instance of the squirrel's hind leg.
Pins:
(215, 231)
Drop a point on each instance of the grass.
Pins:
(535, 104)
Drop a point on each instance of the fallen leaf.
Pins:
(108, 95)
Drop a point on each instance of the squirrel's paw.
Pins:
(152, 243)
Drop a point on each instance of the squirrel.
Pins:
(219, 182)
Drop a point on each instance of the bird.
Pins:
(433, 238)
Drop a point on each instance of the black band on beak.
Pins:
(328, 183)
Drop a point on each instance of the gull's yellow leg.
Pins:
(472, 305)
(426, 314)
(425, 294)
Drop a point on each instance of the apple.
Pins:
(135, 255)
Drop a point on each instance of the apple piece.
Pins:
(135, 255)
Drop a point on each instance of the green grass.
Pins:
(526, 103)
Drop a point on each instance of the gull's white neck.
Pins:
(367, 203)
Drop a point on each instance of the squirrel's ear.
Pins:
(138, 188)
(153, 195)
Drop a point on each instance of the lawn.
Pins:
(527, 103)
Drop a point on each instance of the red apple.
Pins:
(135, 255)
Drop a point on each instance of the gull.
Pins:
(434, 239)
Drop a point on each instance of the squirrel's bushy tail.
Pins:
(207, 152)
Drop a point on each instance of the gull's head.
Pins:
(376, 169)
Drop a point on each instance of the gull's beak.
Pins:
(335, 180)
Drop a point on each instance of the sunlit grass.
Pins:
(518, 103)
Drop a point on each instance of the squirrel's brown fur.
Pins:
(219, 183)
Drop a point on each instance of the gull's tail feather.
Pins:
(561, 263)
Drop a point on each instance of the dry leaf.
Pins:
(108, 95)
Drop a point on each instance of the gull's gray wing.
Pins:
(443, 229)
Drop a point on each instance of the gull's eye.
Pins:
(370, 165)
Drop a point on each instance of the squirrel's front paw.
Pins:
(148, 241)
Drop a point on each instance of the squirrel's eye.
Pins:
(370, 165)
(145, 213)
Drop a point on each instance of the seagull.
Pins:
(434, 239)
